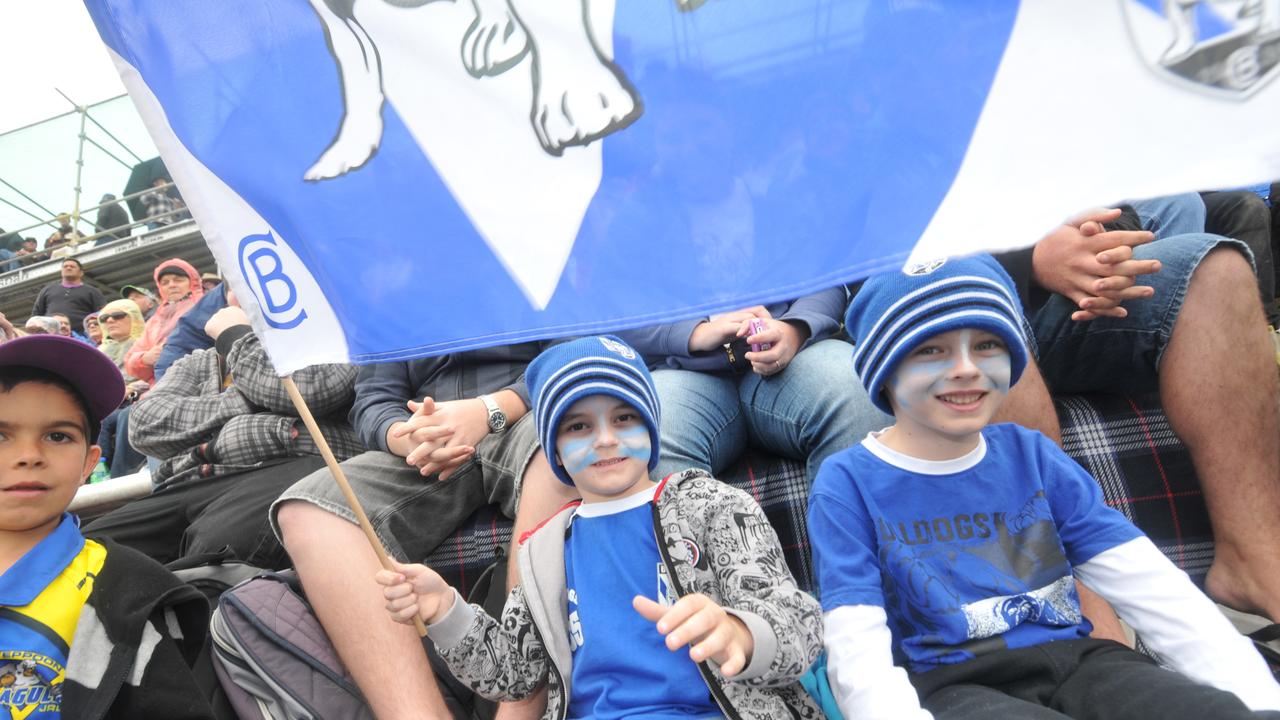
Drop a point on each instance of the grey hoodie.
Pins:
(739, 564)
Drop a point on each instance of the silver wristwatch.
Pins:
(497, 418)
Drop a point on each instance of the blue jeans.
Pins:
(114, 440)
(813, 408)
(1122, 355)
(1171, 215)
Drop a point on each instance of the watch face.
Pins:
(497, 421)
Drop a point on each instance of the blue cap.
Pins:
(597, 365)
(896, 311)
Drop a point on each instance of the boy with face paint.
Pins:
(649, 599)
(946, 548)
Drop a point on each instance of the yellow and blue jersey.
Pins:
(41, 597)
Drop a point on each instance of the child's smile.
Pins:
(950, 386)
(604, 446)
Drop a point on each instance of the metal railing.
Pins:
(23, 259)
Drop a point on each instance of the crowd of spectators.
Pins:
(1159, 289)
(161, 205)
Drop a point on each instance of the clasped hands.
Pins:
(1094, 267)
(784, 338)
(696, 621)
(440, 436)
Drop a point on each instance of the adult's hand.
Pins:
(713, 333)
(225, 318)
(784, 339)
(1092, 266)
(445, 434)
(152, 355)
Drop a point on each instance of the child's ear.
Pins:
(91, 459)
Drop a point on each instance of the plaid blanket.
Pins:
(1124, 442)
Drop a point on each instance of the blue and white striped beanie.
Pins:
(566, 373)
(896, 311)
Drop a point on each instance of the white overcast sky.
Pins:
(47, 44)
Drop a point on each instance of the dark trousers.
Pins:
(1244, 215)
(205, 516)
(1082, 679)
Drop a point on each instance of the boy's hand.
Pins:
(696, 620)
(415, 590)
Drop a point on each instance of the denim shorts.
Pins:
(413, 514)
(1122, 355)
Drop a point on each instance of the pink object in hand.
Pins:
(757, 326)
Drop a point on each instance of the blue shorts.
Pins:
(1122, 355)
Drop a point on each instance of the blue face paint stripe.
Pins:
(577, 454)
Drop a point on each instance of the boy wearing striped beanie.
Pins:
(946, 548)
(611, 586)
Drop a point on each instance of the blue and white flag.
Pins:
(387, 179)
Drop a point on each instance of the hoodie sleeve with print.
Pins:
(498, 660)
(757, 587)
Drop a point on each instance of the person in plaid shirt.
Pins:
(231, 442)
(160, 205)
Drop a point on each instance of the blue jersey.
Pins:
(41, 597)
(621, 666)
(966, 556)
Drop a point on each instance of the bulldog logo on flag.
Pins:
(1231, 46)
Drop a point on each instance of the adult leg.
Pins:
(412, 515)
(1028, 404)
(813, 408)
(336, 566)
(1219, 388)
(541, 495)
(154, 525)
(1171, 215)
(237, 519)
(702, 425)
(1202, 342)
(107, 436)
(1244, 215)
(124, 459)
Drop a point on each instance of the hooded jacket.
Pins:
(740, 567)
(163, 321)
(118, 349)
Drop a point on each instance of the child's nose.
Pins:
(964, 366)
(28, 454)
(606, 436)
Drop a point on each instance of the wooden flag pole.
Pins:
(305, 413)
